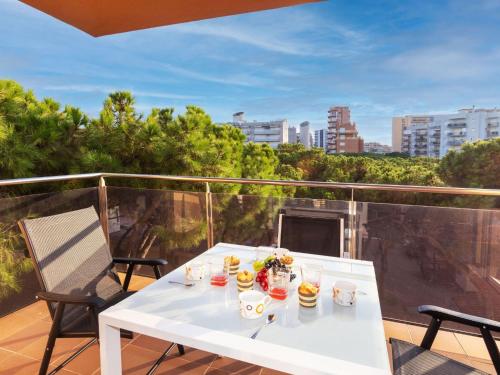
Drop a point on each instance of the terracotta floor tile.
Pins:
(252, 370)
(230, 365)
(268, 371)
(35, 331)
(63, 347)
(445, 341)
(397, 330)
(19, 365)
(136, 360)
(13, 323)
(195, 355)
(151, 343)
(480, 365)
(86, 363)
(177, 365)
(473, 346)
(37, 310)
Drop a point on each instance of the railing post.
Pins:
(103, 207)
(352, 229)
(209, 213)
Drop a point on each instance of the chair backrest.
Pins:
(71, 255)
(311, 234)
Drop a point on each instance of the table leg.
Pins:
(110, 350)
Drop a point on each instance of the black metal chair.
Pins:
(77, 276)
(409, 359)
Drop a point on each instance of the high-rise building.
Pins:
(305, 134)
(377, 148)
(321, 138)
(293, 136)
(435, 135)
(342, 134)
(273, 133)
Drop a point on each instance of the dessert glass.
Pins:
(311, 273)
(279, 282)
(219, 271)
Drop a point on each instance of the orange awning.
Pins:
(104, 17)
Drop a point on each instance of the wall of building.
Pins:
(435, 135)
(342, 133)
(272, 133)
(321, 138)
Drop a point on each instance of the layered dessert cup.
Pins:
(287, 260)
(234, 264)
(244, 280)
(308, 295)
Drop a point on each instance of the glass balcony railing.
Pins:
(423, 253)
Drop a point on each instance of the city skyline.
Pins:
(381, 60)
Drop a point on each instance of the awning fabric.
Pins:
(104, 17)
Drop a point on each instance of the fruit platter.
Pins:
(272, 264)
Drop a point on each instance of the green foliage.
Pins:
(12, 261)
(476, 165)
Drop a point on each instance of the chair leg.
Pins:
(160, 360)
(492, 348)
(431, 333)
(181, 349)
(156, 269)
(128, 276)
(48, 353)
(54, 331)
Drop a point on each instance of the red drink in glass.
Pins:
(278, 284)
(278, 293)
(218, 280)
(219, 271)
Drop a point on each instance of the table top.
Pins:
(326, 339)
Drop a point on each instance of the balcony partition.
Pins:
(447, 256)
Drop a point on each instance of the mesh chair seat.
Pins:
(409, 359)
(77, 319)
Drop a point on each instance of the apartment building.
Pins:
(305, 134)
(377, 148)
(321, 138)
(435, 135)
(273, 133)
(342, 133)
(293, 136)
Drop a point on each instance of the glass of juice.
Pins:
(279, 282)
(219, 271)
(311, 273)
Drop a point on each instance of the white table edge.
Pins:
(283, 358)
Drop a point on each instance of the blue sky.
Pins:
(382, 58)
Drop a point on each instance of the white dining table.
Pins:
(326, 339)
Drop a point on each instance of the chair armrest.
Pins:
(140, 261)
(458, 317)
(69, 298)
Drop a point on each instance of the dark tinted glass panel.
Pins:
(147, 223)
(432, 255)
(311, 235)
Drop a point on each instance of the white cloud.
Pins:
(109, 89)
(235, 79)
(295, 32)
(446, 62)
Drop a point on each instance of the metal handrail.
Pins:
(249, 181)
